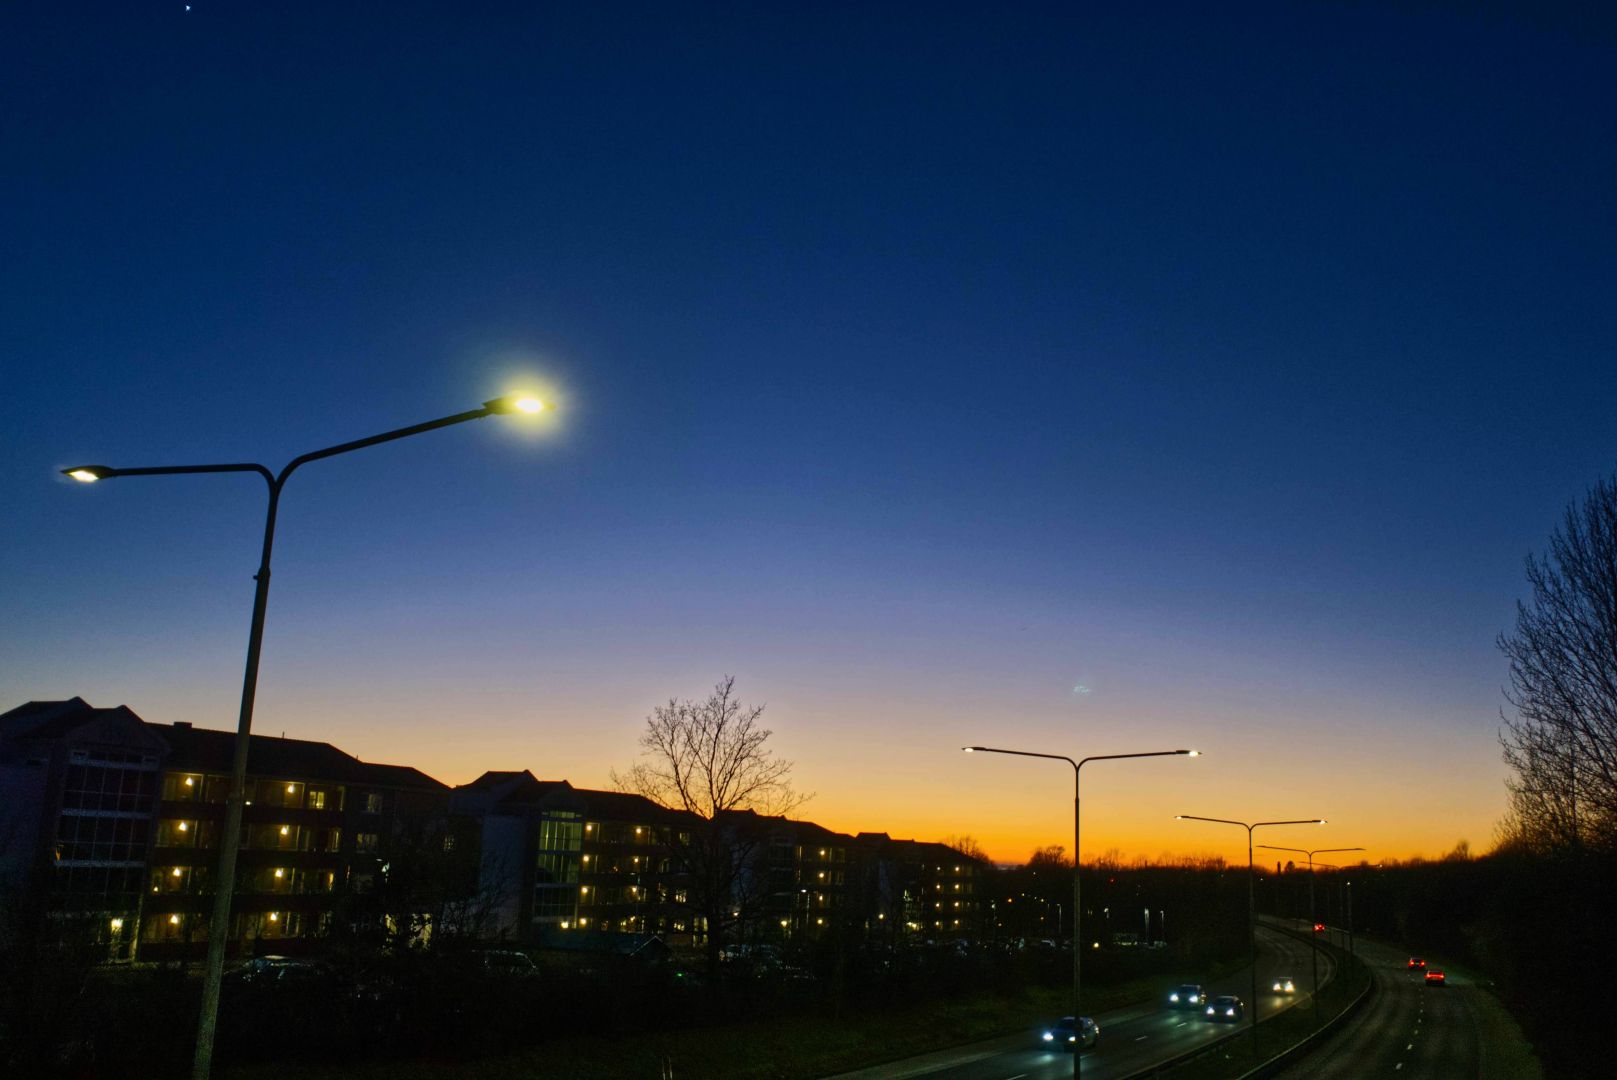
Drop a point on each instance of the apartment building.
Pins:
(112, 825)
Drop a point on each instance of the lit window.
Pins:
(190, 782)
(176, 871)
(286, 830)
(185, 826)
(291, 789)
(174, 920)
(279, 872)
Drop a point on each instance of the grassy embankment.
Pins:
(790, 1048)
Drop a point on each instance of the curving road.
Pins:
(1406, 1029)
(1131, 1039)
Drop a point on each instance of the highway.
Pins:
(1131, 1039)
(1406, 1028)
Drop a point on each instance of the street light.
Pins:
(1077, 909)
(229, 842)
(1251, 908)
(1313, 937)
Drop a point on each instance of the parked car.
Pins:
(1435, 977)
(505, 963)
(279, 971)
(1067, 1034)
(1188, 996)
(1284, 984)
(1226, 1009)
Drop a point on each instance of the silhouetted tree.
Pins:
(711, 760)
(1562, 741)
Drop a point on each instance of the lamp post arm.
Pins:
(178, 470)
(386, 436)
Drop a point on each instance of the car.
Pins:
(1226, 1009)
(1188, 996)
(281, 971)
(504, 963)
(1435, 977)
(1416, 964)
(1284, 984)
(1065, 1033)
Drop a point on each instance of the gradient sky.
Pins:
(1078, 380)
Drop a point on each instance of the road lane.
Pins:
(1407, 1029)
(1131, 1039)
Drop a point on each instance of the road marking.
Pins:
(1398, 1066)
(1182, 1023)
(1142, 1038)
(1411, 1046)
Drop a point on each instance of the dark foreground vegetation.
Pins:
(838, 1002)
(1538, 925)
(1534, 923)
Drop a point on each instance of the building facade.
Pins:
(110, 825)
(109, 828)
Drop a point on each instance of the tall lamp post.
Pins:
(1077, 909)
(1251, 907)
(230, 838)
(1313, 921)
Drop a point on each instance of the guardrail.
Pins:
(1281, 1060)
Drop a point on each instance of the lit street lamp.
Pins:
(1077, 909)
(230, 838)
(1251, 908)
(1313, 936)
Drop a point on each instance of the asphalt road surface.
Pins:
(1406, 1029)
(1131, 1039)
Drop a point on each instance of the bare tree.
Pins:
(1562, 741)
(968, 846)
(710, 759)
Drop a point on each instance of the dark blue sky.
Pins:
(917, 363)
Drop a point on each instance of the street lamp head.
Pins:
(515, 403)
(89, 474)
(968, 749)
(1189, 753)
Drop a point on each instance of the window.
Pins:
(366, 843)
(96, 783)
(373, 803)
(171, 833)
(182, 787)
(317, 799)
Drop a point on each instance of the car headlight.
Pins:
(1229, 1012)
(1049, 1037)
(1173, 997)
